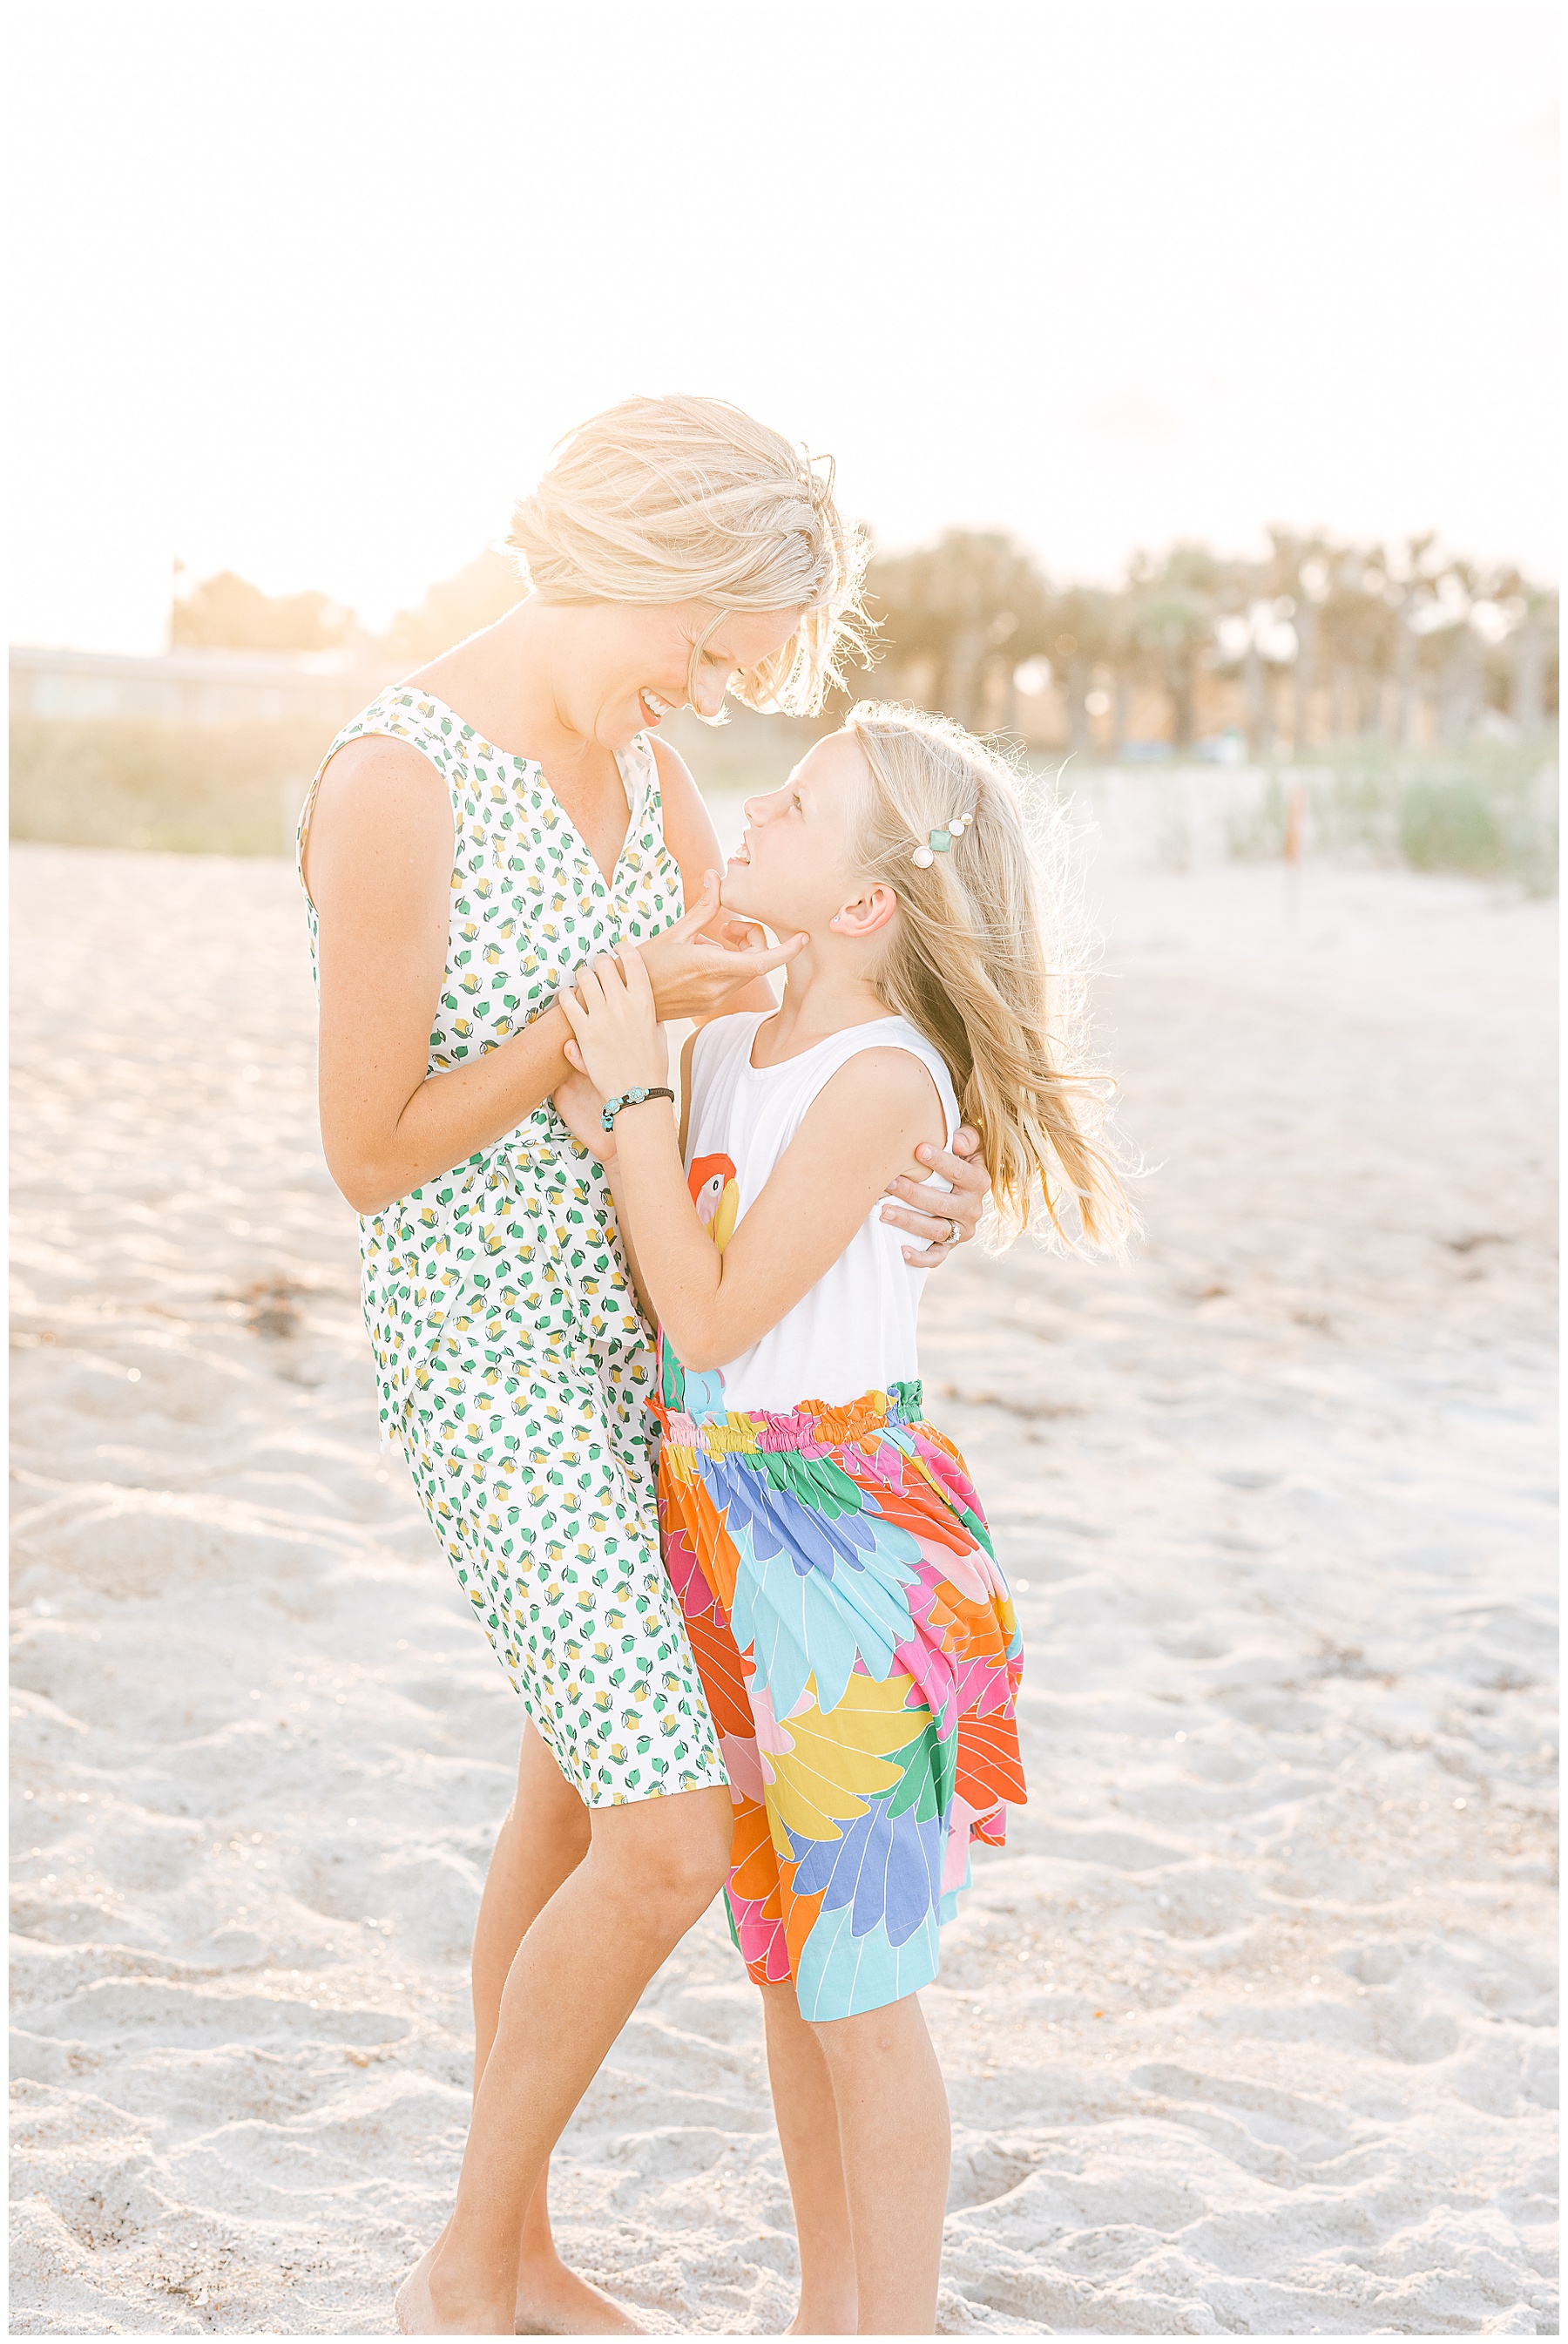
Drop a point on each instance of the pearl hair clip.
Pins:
(938, 841)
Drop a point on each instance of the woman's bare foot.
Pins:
(416, 2313)
(837, 2322)
(412, 2301)
(551, 2301)
(554, 2301)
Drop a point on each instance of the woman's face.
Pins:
(645, 655)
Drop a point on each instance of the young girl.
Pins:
(854, 1635)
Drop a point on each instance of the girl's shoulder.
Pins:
(891, 1032)
(921, 1045)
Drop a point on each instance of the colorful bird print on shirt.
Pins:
(716, 1193)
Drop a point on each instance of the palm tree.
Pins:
(457, 607)
(971, 606)
(1079, 635)
(1356, 638)
(228, 610)
(1532, 637)
(1416, 571)
(1374, 624)
(1176, 607)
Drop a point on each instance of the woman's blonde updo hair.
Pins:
(969, 963)
(662, 500)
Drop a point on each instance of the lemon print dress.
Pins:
(512, 1361)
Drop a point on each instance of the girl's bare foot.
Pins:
(554, 2301)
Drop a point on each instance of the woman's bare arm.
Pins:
(964, 1167)
(692, 838)
(378, 865)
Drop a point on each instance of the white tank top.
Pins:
(854, 1331)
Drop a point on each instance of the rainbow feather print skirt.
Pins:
(862, 1659)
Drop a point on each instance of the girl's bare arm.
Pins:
(862, 1127)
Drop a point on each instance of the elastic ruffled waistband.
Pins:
(813, 1427)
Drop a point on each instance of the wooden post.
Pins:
(1295, 828)
(1295, 817)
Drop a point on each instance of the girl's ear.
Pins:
(868, 912)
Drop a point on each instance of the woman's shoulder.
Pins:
(675, 778)
(380, 774)
(402, 729)
(380, 768)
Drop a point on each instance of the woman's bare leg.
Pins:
(897, 2147)
(807, 2117)
(544, 1838)
(651, 1870)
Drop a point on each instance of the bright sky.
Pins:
(308, 292)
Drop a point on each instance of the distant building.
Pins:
(192, 686)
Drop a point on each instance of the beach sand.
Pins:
(1248, 2029)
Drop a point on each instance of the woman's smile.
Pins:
(653, 707)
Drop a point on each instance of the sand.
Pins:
(1248, 2030)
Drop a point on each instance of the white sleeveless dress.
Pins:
(854, 1332)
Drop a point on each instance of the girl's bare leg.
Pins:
(897, 2145)
(651, 1870)
(807, 2117)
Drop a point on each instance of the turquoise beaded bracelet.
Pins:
(612, 1107)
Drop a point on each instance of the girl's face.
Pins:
(643, 658)
(794, 867)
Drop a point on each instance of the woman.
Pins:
(676, 549)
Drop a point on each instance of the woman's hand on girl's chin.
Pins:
(690, 975)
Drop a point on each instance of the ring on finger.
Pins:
(955, 1234)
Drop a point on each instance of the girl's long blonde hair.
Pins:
(661, 501)
(969, 963)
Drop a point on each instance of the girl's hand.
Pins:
(615, 1025)
(579, 1105)
(971, 1183)
(690, 975)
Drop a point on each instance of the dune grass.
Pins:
(236, 789)
(1488, 808)
(187, 788)
(1485, 808)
